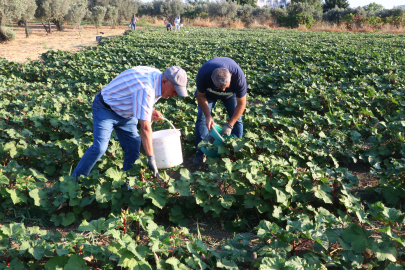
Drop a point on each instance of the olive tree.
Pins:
(77, 13)
(331, 4)
(223, 9)
(168, 9)
(111, 16)
(245, 10)
(126, 8)
(97, 16)
(147, 9)
(373, 7)
(9, 10)
(52, 11)
(28, 13)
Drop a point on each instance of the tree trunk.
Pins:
(59, 24)
(49, 26)
(46, 27)
(26, 29)
(79, 31)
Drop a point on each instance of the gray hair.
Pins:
(221, 77)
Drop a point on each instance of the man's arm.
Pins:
(146, 135)
(203, 103)
(239, 109)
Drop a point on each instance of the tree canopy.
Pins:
(373, 7)
(317, 4)
(330, 4)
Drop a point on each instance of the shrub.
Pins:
(143, 23)
(390, 12)
(262, 13)
(299, 14)
(333, 15)
(277, 12)
(6, 34)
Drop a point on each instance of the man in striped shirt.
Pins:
(130, 97)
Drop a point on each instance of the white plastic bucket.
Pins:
(167, 147)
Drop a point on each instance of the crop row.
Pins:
(317, 104)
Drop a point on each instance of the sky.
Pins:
(388, 4)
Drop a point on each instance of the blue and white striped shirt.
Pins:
(134, 92)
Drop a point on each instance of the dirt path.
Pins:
(39, 42)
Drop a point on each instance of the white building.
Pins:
(273, 3)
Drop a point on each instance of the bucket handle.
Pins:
(178, 133)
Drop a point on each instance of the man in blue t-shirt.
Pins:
(219, 79)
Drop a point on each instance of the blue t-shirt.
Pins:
(238, 81)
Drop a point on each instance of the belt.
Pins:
(100, 96)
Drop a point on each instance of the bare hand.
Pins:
(210, 123)
(156, 116)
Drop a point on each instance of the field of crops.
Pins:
(318, 104)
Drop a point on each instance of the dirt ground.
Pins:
(39, 42)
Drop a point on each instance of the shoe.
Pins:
(127, 186)
(199, 158)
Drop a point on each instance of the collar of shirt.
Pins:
(157, 84)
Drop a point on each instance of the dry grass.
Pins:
(238, 24)
(205, 22)
(343, 27)
(328, 27)
(153, 20)
(39, 42)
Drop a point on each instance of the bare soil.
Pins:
(39, 42)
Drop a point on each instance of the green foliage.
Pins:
(298, 14)
(373, 7)
(251, 3)
(318, 103)
(316, 4)
(52, 11)
(111, 16)
(330, 4)
(97, 16)
(6, 34)
(143, 23)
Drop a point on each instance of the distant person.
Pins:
(177, 24)
(221, 79)
(169, 27)
(127, 99)
(134, 19)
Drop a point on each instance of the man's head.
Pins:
(174, 82)
(221, 77)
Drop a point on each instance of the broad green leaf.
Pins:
(227, 201)
(68, 219)
(357, 237)
(57, 261)
(226, 264)
(17, 196)
(76, 262)
(157, 195)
